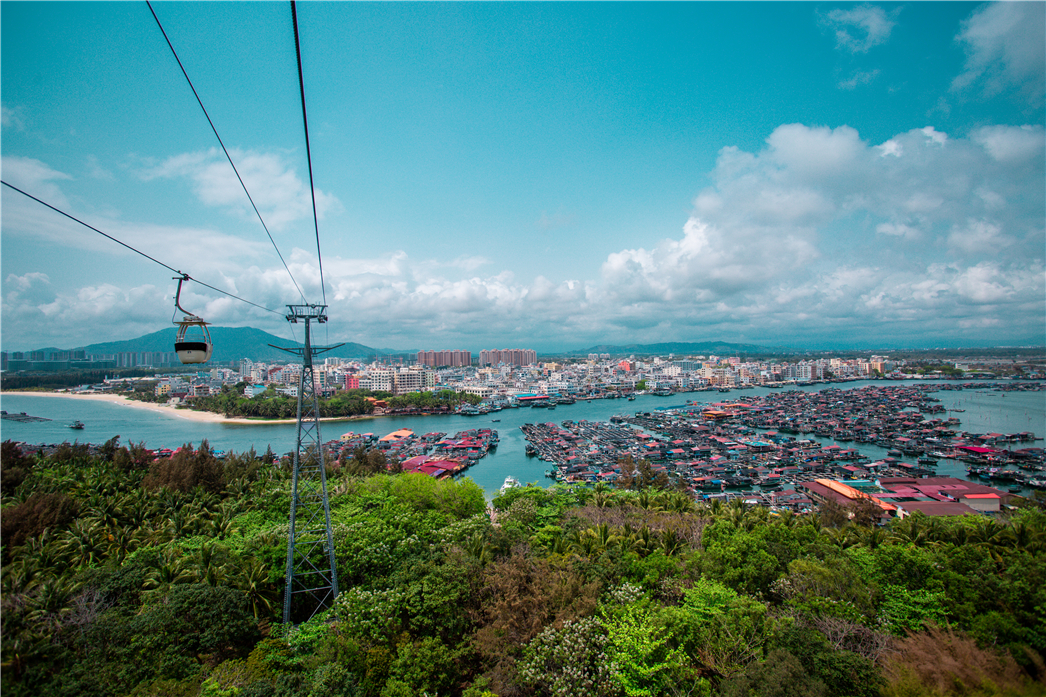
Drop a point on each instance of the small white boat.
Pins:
(510, 483)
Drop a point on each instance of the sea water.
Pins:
(985, 411)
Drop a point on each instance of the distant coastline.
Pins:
(187, 414)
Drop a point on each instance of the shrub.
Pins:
(34, 515)
(942, 662)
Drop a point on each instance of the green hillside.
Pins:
(129, 577)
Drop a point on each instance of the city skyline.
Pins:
(554, 175)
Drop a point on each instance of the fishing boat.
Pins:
(78, 425)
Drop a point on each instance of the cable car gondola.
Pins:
(193, 344)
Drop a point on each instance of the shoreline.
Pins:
(187, 414)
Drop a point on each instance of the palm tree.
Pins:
(45, 550)
(560, 544)
(84, 542)
(671, 542)
(584, 544)
(478, 547)
(846, 536)
(873, 537)
(987, 532)
(222, 520)
(253, 580)
(51, 601)
(210, 565)
(1022, 536)
(910, 530)
(170, 570)
(678, 502)
(120, 542)
(641, 541)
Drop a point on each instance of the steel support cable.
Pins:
(226, 151)
(136, 251)
(308, 150)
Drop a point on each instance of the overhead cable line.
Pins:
(136, 251)
(308, 150)
(227, 155)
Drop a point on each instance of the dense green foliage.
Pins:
(274, 405)
(125, 576)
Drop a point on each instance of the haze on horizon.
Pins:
(547, 175)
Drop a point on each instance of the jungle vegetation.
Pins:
(272, 404)
(125, 575)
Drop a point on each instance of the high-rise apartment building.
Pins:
(508, 357)
(455, 358)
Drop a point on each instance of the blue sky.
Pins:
(542, 175)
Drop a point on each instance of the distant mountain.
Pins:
(233, 344)
(680, 348)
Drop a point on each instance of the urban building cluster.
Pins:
(79, 359)
(507, 378)
(503, 373)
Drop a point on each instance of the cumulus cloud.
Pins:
(818, 234)
(1005, 44)
(886, 211)
(281, 196)
(35, 178)
(860, 28)
(33, 308)
(1012, 144)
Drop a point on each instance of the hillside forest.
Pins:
(129, 576)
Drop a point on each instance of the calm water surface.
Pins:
(985, 411)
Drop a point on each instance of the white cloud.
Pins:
(859, 77)
(470, 263)
(96, 171)
(897, 230)
(35, 178)
(978, 237)
(816, 235)
(280, 195)
(933, 136)
(890, 147)
(1012, 144)
(860, 28)
(12, 118)
(32, 288)
(34, 310)
(1005, 45)
(816, 153)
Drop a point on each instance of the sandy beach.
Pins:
(187, 414)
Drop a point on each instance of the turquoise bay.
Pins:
(984, 411)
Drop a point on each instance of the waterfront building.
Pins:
(377, 380)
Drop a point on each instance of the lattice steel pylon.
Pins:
(311, 568)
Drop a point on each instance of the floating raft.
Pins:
(22, 416)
